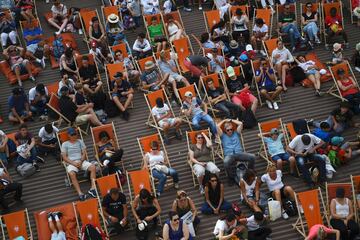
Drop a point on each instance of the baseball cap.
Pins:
(71, 131)
(188, 94)
(243, 57)
(230, 72)
(336, 140)
(249, 48)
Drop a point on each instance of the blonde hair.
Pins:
(271, 167)
(321, 233)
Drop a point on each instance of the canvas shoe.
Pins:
(92, 193)
(269, 104)
(284, 215)
(276, 106)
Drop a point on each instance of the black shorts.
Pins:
(270, 88)
(282, 192)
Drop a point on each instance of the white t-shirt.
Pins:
(264, 28)
(273, 184)
(167, 6)
(221, 226)
(285, 55)
(32, 93)
(61, 10)
(71, 86)
(155, 159)
(2, 171)
(160, 112)
(306, 65)
(252, 224)
(47, 136)
(298, 146)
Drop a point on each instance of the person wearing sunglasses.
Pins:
(232, 145)
(309, 20)
(214, 197)
(200, 155)
(175, 228)
(131, 73)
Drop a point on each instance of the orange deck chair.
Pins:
(265, 127)
(335, 89)
(68, 221)
(312, 205)
(105, 183)
(137, 180)
(86, 15)
(325, 11)
(141, 62)
(25, 25)
(280, 10)
(324, 78)
(269, 46)
(217, 80)
(68, 39)
(122, 47)
(331, 192)
(147, 22)
(211, 18)
(17, 224)
(151, 102)
(255, 65)
(355, 185)
(106, 11)
(53, 88)
(90, 212)
(244, 9)
(315, 8)
(191, 140)
(183, 49)
(54, 105)
(266, 15)
(78, 63)
(194, 90)
(110, 70)
(176, 16)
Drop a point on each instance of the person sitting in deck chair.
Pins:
(141, 47)
(73, 153)
(151, 78)
(7, 30)
(192, 106)
(59, 17)
(131, 73)
(233, 149)
(312, 73)
(122, 91)
(349, 90)
(321, 232)
(8, 186)
(165, 120)
(89, 77)
(266, 80)
(334, 26)
(47, 142)
(38, 98)
(19, 106)
(57, 230)
(260, 33)
(115, 209)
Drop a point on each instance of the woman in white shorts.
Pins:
(201, 156)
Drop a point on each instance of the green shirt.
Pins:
(155, 30)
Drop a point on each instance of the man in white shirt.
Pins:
(255, 230)
(304, 148)
(165, 119)
(38, 97)
(141, 47)
(47, 141)
(227, 228)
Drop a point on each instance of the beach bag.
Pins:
(26, 170)
(274, 209)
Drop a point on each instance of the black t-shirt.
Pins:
(114, 208)
(311, 17)
(80, 99)
(123, 87)
(216, 92)
(198, 60)
(68, 108)
(235, 85)
(88, 73)
(287, 18)
(342, 118)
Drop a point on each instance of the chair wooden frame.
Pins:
(304, 219)
(190, 139)
(184, 49)
(335, 89)
(177, 17)
(211, 18)
(331, 193)
(325, 11)
(355, 185)
(17, 224)
(266, 15)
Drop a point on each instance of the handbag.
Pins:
(162, 168)
(274, 209)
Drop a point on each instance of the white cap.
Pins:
(249, 47)
(210, 56)
(188, 94)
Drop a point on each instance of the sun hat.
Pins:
(188, 94)
(113, 18)
(337, 47)
(233, 44)
(149, 65)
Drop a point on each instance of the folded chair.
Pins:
(325, 11)
(355, 187)
(17, 224)
(68, 221)
(110, 130)
(279, 11)
(335, 89)
(137, 180)
(265, 127)
(255, 65)
(218, 82)
(90, 212)
(183, 48)
(176, 16)
(266, 15)
(68, 39)
(310, 202)
(315, 8)
(331, 192)
(211, 18)
(86, 15)
(324, 78)
(191, 139)
(269, 46)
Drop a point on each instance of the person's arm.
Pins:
(158, 209)
(185, 231)
(257, 190)
(65, 66)
(147, 46)
(205, 107)
(66, 159)
(221, 235)
(207, 199)
(351, 210)
(271, 74)
(136, 47)
(344, 88)
(221, 197)
(193, 209)
(32, 144)
(259, 76)
(243, 191)
(134, 205)
(303, 21)
(4, 142)
(239, 125)
(207, 140)
(165, 233)
(290, 57)
(16, 115)
(145, 163)
(83, 155)
(317, 146)
(192, 158)
(125, 213)
(218, 127)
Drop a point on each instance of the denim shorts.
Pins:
(311, 72)
(282, 156)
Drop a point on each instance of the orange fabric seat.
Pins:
(10, 75)
(324, 78)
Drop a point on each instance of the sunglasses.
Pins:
(287, 8)
(176, 219)
(309, 6)
(74, 134)
(200, 137)
(229, 130)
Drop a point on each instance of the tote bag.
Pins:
(274, 209)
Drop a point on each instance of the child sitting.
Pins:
(337, 55)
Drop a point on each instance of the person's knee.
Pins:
(130, 96)
(92, 168)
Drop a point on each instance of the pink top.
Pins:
(314, 230)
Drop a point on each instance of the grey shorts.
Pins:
(22, 65)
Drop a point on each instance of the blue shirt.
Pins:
(18, 103)
(275, 147)
(265, 79)
(231, 144)
(33, 32)
(323, 135)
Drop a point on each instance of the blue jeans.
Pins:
(341, 126)
(162, 178)
(4, 158)
(319, 161)
(311, 30)
(206, 209)
(20, 160)
(204, 117)
(293, 32)
(39, 107)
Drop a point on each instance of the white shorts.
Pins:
(84, 166)
(200, 170)
(81, 119)
(58, 236)
(170, 121)
(175, 77)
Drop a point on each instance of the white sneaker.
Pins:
(201, 189)
(200, 8)
(357, 69)
(284, 215)
(187, 9)
(43, 62)
(47, 1)
(276, 106)
(80, 31)
(263, 53)
(301, 209)
(176, 186)
(57, 33)
(269, 104)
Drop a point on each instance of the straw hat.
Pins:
(113, 18)
(233, 44)
(149, 65)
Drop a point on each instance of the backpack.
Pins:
(297, 74)
(90, 232)
(300, 126)
(240, 171)
(249, 119)
(110, 108)
(58, 48)
(26, 170)
(290, 208)
(128, 22)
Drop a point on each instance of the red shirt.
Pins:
(333, 20)
(350, 91)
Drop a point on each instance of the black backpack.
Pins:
(249, 119)
(290, 208)
(110, 108)
(297, 74)
(300, 126)
(90, 232)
